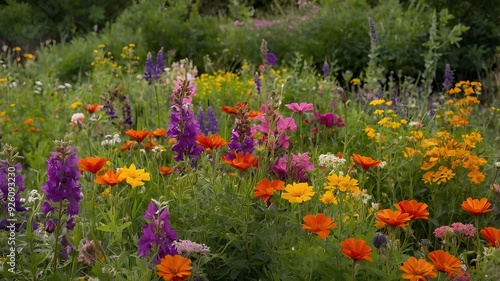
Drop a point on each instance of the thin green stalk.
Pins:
(56, 236)
(353, 270)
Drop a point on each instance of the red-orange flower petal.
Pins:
(446, 262)
(476, 207)
(159, 133)
(416, 209)
(93, 108)
(109, 178)
(319, 224)
(392, 218)
(365, 162)
(356, 249)
(265, 188)
(492, 235)
(211, 142)
(174, 268)
(166, 170)
(127, 145)
(229, 109)
(138, 136)
(91, 164)
(241, 162)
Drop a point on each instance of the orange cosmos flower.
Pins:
(174, 268)
(211, 142)
(229, 109)
(319, 224)
(109, 178)
(417, 270)
(492, 235)
(265, 188)
(476, 207)
(446, 262)
(138, 136)
(149, 144)
(91, 164)
(93, 108)
(356, 249)
(127, 146)
(416, 209)
(159, 133)
(365, 162)
(166, 170)
(241, 162)
(392, 218)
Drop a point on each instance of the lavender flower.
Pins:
(201, 121)
(258, 83)
(7, 190)
(157, 233)
(63, 175)
(110, 109)
(326, 70)
(212, 124)
(183, 125)
(448, 78)
(153, 72)
(241, 138)
(186, 247)
(126, 112)
(373, 32)
(271, 59)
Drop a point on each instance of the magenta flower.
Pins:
(300, 108)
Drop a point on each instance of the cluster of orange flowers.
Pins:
(138, 136)
(460, 109)
(407, 210)
(443, 155)
(441, 261)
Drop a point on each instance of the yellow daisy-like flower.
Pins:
(298, 192)
(377, 102)
(134, 176)
(355, 81)
(76, 104)
(328, 198)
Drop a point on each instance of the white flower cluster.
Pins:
(111, 140)
(65, 86)
(38, 87)
(331, 162)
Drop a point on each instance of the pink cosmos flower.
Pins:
(238, 23)
(77, 118)
(300, 108)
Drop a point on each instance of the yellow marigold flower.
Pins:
(328, 198)
(408, 152)
(12, 104)
(298, 192)
(442, 175)
(3, 79)
(355, 81)
(384, 121)
(469, 91)
(29, 56)
(131, 45)
(427, 177)
(472, 162)
(76, 104)
(427, 165)
(378, 112)
(17, 49)
(370, 132)
(475, 176)
(3, 113)
(101, 46)
(29, 122)
(134, 176)
(377, 102)
(389, 103)
(403, 121)
(416, 135)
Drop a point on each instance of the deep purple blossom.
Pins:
(201, 121)
(326, 70)
(157, 233)
(183, 125)
(373, 32)
(448, 78)
(241, 137)
(329, 119)
(212, 124)
(271, 59)
(257, 82)
(380, 240)
(17, 180)
(153, 72)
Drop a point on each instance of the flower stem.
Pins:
(353, 270)
(56, 236)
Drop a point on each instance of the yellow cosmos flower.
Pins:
(355, 81)
(377, 102)
(298, 192)
(328, 198)
(3, 79)
(134, 176)
(76, 104)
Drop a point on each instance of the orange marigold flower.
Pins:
(476, 207)
(446, 262)
(265, 188)
(91, 164)
(492, 235)
(416, 209)
(109, 178)
(93, 108)
(159, 133)
(229, 109)
(418, 270)
(127, 145)
(138, 136)
(365, 162)
(252, 114)
(211, 142)
(29, 122)
(392, 218)
(241, 162)
(319, 224)
(174, 268)
(356, 249)
(149, 144)
(166, 170)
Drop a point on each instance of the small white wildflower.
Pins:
(331, 162)
(382, 164)
(13, 85)
(142, 150)
(37, 92)
(39, 83)
(61, 87)
(68, 85)
(365, 197)
(116, 138)
(497, 164)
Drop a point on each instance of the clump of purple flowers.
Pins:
(257, 82)
(271, 59)
(153, 72)
(183, 125)
(448, 77)
(329, 120)
(326, 70)
(293, 167)
(209, 123)
(62, 184)
(157, 234)
(241, 138)
(11, 185)
(373, 32)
